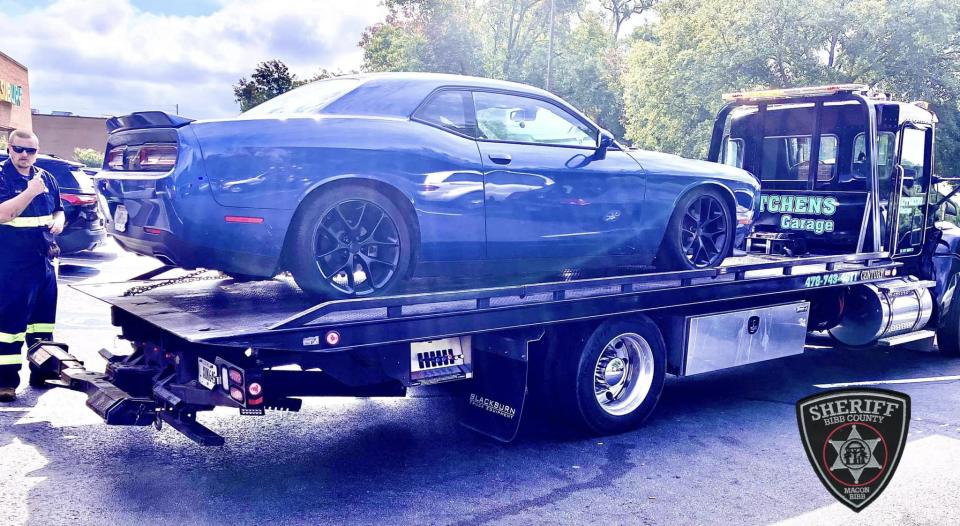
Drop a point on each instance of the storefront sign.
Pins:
(10, 93)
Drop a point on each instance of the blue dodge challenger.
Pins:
(357, 183)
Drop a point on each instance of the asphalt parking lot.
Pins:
(722, 448)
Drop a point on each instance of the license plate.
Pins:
(120, 219)
(208, 374)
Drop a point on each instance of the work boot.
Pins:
(8, 394)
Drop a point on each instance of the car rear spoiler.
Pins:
(146, 119)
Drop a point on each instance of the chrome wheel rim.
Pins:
(704, 231)
(357, 247)
(623, 374)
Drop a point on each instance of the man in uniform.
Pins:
(30, 216)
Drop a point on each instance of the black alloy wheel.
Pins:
(704, 231)
(357, 247)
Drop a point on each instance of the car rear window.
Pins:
(63, 173)
(306, 99)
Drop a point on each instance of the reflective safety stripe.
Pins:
(6, 337)
(29, 222)
(40, 327)
(10, 359)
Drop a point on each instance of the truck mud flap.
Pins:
(496, 396)
(52, 365)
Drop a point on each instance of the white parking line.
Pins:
(882, 382)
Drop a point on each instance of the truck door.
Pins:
(913, 159)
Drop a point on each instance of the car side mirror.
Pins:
(604, 143)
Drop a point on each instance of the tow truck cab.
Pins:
(860, 140)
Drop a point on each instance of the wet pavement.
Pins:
(722, 448)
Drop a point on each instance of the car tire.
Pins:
(585, 366)
(693, 242)
(350, 226)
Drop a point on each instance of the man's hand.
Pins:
(35, 186)
(59, 220)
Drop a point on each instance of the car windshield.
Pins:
(306, 99)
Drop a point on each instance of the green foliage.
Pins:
(88, 157)
(506, 39)
(269, 79)
(678, 68)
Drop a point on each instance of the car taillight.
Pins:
(157, 157)
(79, 199)
(115, 158)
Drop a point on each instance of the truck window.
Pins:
(732, 153)
(884, 156)
(787, 158)
(912, 155)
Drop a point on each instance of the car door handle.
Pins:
(500, 158)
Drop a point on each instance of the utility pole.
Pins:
(553, 6)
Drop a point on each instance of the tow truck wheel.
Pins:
(948, 334)
(350, 241)
(700, 233)
(614, 383)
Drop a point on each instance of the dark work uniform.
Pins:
(28, 284)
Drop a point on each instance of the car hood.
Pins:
(669, 164)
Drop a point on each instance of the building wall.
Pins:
(11, 115)
(60, 134)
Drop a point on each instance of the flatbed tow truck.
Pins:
(877, 269)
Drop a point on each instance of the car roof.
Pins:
(399, 94)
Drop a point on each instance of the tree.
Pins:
(699, 49)
(622, 10)
(269, 79)
(503, 39)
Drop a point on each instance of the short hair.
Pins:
(23, 134)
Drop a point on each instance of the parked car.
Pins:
(356, 183)
(84, 228)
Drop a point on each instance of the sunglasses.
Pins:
(21, 149)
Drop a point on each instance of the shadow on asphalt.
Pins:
(402, 461)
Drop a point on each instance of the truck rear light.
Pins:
(333, 338)
(236, 376)
(79, 199)
(236, 394)
(157, 157)
(254, 389)
(255, 401)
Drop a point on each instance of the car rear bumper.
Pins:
(176, 251)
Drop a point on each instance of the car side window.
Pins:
(449, 109)
(513, 118)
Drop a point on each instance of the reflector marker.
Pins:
(243, 219)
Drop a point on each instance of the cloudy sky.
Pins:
(110, 57)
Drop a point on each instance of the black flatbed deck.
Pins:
(275, 314)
